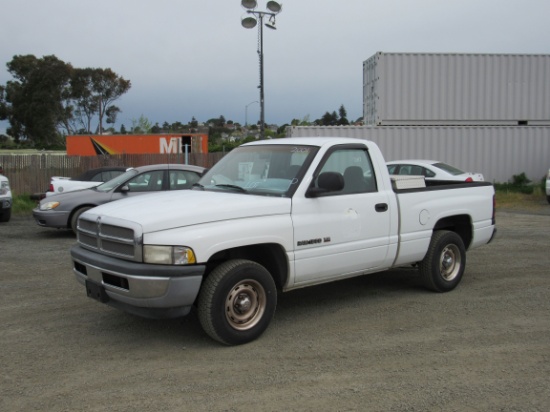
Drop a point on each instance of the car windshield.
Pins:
(449, 169)
(271, 170)
(111, 184)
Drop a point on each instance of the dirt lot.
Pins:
(377, 343)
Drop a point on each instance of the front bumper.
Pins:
(153, 291)
(51, 218)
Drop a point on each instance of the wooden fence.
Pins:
(30, 173)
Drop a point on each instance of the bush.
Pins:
(23, 204)
(519, 184)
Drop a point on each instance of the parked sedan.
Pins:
(62, 210)
(431, 170)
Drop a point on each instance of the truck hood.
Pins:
(167, 210)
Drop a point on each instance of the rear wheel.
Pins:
(76, 215)
(443, 267)
(237, 302)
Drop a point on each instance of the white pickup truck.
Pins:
(273, 216)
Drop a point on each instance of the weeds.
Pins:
(23, 205)
(510, 199)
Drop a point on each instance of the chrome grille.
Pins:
(117, 231)
(87, 226)
(110, 236)
(111, 246)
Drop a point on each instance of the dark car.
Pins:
(101, 174)
(62, 210)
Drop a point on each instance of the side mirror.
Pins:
(327, 182)
(124, 188)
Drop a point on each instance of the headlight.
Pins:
(49, 205)
(168, 255)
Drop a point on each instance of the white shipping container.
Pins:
(456, 89)
(498, 152)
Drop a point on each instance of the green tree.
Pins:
(156, 128)
(329, 119)
(107, 87)
(87, 105)
(304, 122)
(343, 121)
(48, 96)
(36, 103)
(141, 125)
(112, 113)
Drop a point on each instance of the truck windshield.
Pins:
(270, 170)
(111, 184)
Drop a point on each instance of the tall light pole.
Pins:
(250, 22)
(246, 112)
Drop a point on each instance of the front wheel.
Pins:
(443, 267)
(237, 302)
(75, 216)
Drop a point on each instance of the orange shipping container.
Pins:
(93, 145)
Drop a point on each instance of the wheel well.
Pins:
(74, 211)
(460, 224)
(271, 256)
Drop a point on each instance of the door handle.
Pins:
(381, 207)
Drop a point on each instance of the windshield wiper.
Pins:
(198, 185)
(239, 188)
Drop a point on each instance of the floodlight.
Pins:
(249, 4)
(249, 22)
(274, 6)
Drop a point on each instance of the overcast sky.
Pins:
(193, 58)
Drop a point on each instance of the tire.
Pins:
(548, 198)
(237, 302)
(5, 215)
(443, 267)
(76, 215)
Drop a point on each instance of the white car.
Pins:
(5, 199)
(432, 170)
(548, 186)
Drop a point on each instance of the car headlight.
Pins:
(49, 205)
(168, 255)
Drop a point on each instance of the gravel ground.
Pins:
(377, 343)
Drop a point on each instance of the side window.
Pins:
(111, 175)
(356, 168)
(427, 172)
(97, 178)
(392, 169)
(182, 179)
(146, 182)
